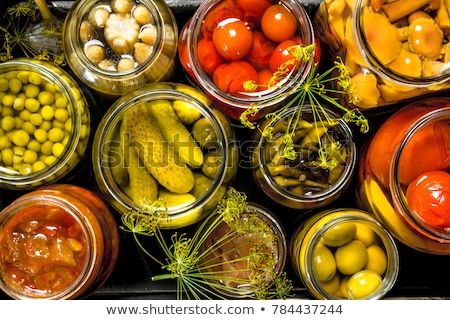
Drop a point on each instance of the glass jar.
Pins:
(116, 46)
(165, 141)
(45, 125)
(222, 76)
(57, 242)
(401, 171)
(308, 180)
(228, 265)
(392, 55)
(344, 253)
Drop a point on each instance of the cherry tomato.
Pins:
(225, 10)
(278, 23)
(208, 56)
(253, 10)
(282, 55)
(233, 39)
(429, 197)
(261, 51)
(230, 77)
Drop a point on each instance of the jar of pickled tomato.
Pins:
(165, 141)
(394, 50)
(404, 175)
(45, 124)
(116, 46)
(344, 253)
(228, 263)
(321, 167)
(229, 42)
(57, 242)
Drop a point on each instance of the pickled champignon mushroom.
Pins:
(122, 6)
(142, 52)
(95, 51)
(366, 90)
(407, 63)
(148, 34)
(396, 10)
(87, 31)
(121, 32)
(142, 15)
(425, 38)
(99, 15)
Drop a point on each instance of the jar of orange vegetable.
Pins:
(394, 50)
(404, 175)
(56, 242)
(344, 253)
(229, 42)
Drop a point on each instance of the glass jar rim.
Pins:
(398, 195)
(70, 207)
(258, 99)
(61, 79)
(377, 66)
(352, 214)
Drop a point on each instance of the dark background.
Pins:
(422, 276)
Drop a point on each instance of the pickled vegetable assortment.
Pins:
(397, 50)
(43, 250)
(123, 34)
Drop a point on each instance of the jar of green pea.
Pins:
(44, 123)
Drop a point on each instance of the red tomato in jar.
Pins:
(233, 39)
(429, 197)
(230, 77)
(208, 56)
(261, 51)
(281, 55)
(253, 10)
(225, 10)
(265, 76)
(278, 23)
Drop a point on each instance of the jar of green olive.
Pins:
(44, 126)
(394, 50)
(344, 253)
(165, 146)
(57, 242)
(116, 46)
(318, 168)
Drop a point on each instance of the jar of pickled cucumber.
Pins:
(56, 242)
(230, 252)
(165, 141)
(116, 46)
(318, 168)
(45, 124)
(344, 253)
(395, 51)
(404, 175)
(229, 42)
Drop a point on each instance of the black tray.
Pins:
(422, 276)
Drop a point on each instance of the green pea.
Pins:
(4, 143)
(61, 102)
(50, 159)
(32, 91)
(61, 114)
(45, 98)
(25, 169)
(4, 85)
(32, 104)
(8, 100)
(35, 78)
(57, 149)
(55, 135)
(38, 166)
(25, 114)
(30, 156)
(8, 111)
(33, 145)
(46, 147)
(20, 138)
(19, 123)
(15, 85)
(47, 112)
(40, 135)
(8, 123)
(18, 155)
(23, 76)
(36, 119)
(29, 127)
(50, 87)
(46, 125)
(7, 156)
(19, 103)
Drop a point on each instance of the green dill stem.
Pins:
(44, 10)
(145, 251)
(167, 276)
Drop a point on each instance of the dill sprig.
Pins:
(314, 91)
(200, 264)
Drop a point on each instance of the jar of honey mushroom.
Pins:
(394, 51)
(57, 242)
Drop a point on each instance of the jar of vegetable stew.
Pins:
(165, 146)
(344, 253)
(404, 175)
(45, 124)
(57, 242)
(116, 46)
(395, 50)
(312, 170)
(229, 42)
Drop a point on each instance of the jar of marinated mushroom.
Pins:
(116, 46)
(394, 50)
